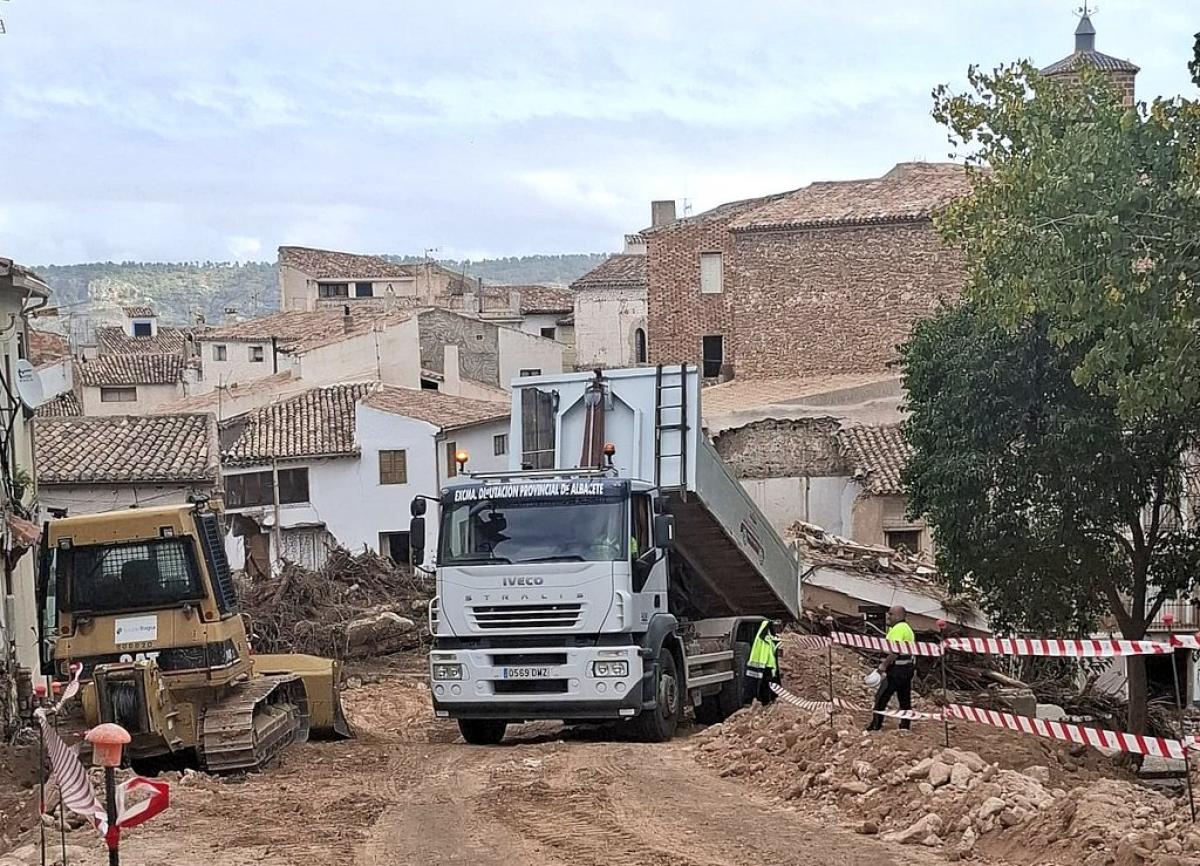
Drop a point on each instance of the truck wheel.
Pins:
(482, 732)
(659, 724)
(732, 697)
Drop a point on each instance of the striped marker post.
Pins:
(941, 626)
(1169, 620)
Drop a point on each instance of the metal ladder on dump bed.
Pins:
(671, 428)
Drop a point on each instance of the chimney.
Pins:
(662, 212)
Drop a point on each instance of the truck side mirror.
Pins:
(664, 530)
(416, 540)
(417, 508)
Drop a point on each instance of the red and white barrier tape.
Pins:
(862, 641)
(812, 641)
(840, 704)
(1159, 747)
(1088, 648)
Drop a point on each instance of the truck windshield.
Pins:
(560, 529)
(115, 577)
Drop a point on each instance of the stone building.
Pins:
(610, 310)
(312, 279)
(1121, 72)
(824, 280)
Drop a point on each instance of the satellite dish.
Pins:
(29, 385)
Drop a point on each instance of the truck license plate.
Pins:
(526, 673)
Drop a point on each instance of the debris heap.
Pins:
(355, 605)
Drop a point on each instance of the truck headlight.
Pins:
(610, 669)
(447, 672)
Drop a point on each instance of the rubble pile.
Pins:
(355, 605)
(1068, 803)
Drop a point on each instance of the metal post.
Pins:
(941, 624)
(42, 787)
(1169, 619)
(62, 804)
(829, 652)
(110, 805)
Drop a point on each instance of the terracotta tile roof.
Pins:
(910, 191)
(268, 387)
(63, 406)
(877, 456)
(729, 210)
(1103, 62)
(122, 449)
(160, 369)
(298, 331)
(621, 271)
(47, 348)
(139, 312)
(749, 393)
(114, 341)
(315, 423)
(544, 299)
(334, 265)
(448, 413)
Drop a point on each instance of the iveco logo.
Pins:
(524, 581)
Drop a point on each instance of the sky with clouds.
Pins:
(220, 129)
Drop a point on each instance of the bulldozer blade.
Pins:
(321, 678)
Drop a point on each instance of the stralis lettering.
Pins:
(523, 581)
(530, 490)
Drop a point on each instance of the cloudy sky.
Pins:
(220, 129)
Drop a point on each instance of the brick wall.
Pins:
(835, 300)
(679, 315)
(806, 447)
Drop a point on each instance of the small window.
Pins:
(364, 290)
(639, 346)
(429, 385)
(451, 463)
(710, 273)
(500, 444)
(333, 290)
(549, 333)
(533, 371)
(714, 355)
(394, 545)
(143, 329)
(903, 539)
(393, 467)
(118, 395)
(220, 352)
(479, 336)
(256, 353)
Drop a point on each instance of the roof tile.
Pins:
(300, 331)
(442, 410)
(877, 455)
(315, 423)
(331, 264)
(620, 271)
(114, 341)
(158, 369)
(65, 405)
(122, 449)
(910, 191)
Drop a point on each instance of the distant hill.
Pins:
(179, 290)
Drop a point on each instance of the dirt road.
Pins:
(407, 791)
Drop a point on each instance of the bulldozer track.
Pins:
(250, 726)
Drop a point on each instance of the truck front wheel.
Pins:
(482, 732)
(659, 724)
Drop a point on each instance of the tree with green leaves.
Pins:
(1054, 413)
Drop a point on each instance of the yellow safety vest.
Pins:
(762, 654)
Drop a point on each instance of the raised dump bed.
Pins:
(730, 562)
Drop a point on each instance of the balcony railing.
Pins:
(1186, 616)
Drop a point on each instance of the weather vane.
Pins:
(1084, 11)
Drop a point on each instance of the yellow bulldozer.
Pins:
(144, 600)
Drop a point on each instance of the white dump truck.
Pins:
(615, 572)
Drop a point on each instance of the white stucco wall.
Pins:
(345, 494)
(605, 320)
(56, 378)
(520, 351)
(534, 322)
(825, 501)
(237, 368)
(95, 498)
(149, 398)
(391, 356)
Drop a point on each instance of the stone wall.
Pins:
(478, 344)
(806, 447)
(835, 300)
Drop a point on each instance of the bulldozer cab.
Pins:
(138, 584)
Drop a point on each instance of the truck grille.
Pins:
(556, 616)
